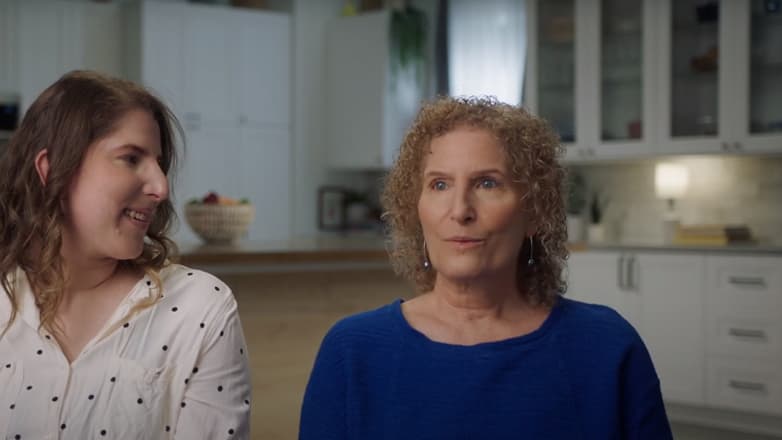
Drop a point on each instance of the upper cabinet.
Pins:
(226, 74)
(640, 77)
(370, 99)
(591, 74)
(8, 50)
(54, 37)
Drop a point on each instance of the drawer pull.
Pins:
(747, 333)
(747, 281)
(743, 385)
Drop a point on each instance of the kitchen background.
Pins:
(299, 106)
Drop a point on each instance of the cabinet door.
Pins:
(263, 170)
(162, 54)
(625, 102)
(8, 46)
(757, 70)
(672, 286)
(262, 67)
(39, 48)
(208, 64)
(551, 90)
(694, 87)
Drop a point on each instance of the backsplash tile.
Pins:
(722, 189)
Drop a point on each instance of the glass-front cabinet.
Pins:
(551, 87)
(590, 74)
(720, 76)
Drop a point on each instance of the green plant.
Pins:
(576, 193)
(408, 36)
(597, 208)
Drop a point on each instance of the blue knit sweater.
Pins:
(584, 374)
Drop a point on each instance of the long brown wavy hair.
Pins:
(532, 149)
(70, 115)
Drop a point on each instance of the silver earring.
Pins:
(531, 260)
(427, 264)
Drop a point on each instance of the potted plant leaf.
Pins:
(597, 207)
(575, 204)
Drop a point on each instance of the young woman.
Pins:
(100, 335)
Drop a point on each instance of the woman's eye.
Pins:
(131, 159)
(488, 183)
(439, 185)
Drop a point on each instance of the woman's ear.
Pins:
(42, 165)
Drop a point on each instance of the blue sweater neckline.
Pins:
(417, 337)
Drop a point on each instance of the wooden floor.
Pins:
(285, 316)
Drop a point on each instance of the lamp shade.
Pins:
(670, 180)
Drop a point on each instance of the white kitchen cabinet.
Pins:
(590, 74)
(744, 332)
(604, 277)
(368, 107)
(630, 79)
(671, 289)
(661, 295)
(55, 37)
(719, 76)
(226, 74)
(8, 46)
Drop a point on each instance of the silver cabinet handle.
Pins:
(743, 385)
(747, 333)
(747, 281)
(620, 279)
(631, 266)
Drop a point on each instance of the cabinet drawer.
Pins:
(753, 336)
(744, 385)
(746, 282)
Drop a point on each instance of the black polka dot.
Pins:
(17, 436)
(140, 401)
(13, 405)
(7, 365)
(55, 398)
(149, 283)
(231, 431)
(217, 288)
(190, 274)
(39, 352)
(246, 402)
(168, 428)
(222, 333)
(48, 337)
(126, 325)
(219, 388)
(165, 347)
(62, 426)
(29, 387)
(195, 370)
(113, 379)
(183, 404)
(201, 325)
(102, 432)
(241, 351)
(174, 309)
(91, 396)
(186, 381)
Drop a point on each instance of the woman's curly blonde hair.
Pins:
(533, 150)
(69, 116)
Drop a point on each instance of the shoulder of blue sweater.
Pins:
(368, 324)
(596, 320)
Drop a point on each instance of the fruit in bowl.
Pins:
(218, 219)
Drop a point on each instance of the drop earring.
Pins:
(427, 264)
(531, 260)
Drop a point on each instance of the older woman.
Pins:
(100, 335)
(489, 349)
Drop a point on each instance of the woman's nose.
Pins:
(463, 209)
(157, 184)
